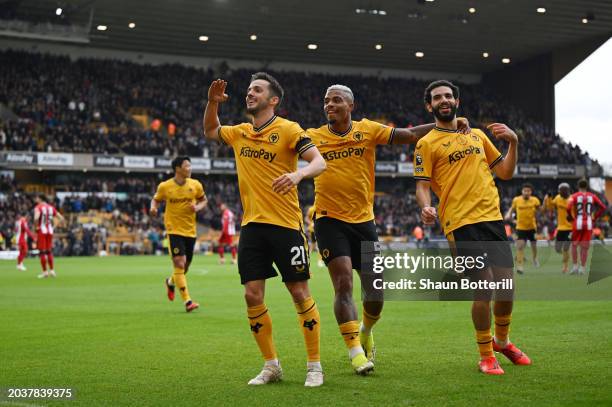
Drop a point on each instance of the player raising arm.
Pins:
(267, 151)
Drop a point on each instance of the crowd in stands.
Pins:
(86, 105)
(119, 205)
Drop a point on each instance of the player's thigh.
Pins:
(255, 253)
(363, 240)
(189, 248)
(331, 239)
(290, 253)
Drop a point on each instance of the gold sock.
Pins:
(261, 327)
(485, 343)
(350, 333)
(310, 322)
(502, 327)
(369, 321)
(181, 283)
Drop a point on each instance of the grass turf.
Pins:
(105, 328)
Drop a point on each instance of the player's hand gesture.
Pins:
(428, 215)
(153, 211)
(216, 92)
(285, 182)
(463, 125)
(502, 132)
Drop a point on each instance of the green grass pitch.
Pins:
(105, 328)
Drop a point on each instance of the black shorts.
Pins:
(492, 244)
(262, 244)
(563, 235)
(337, 238)
(181, 246)
(526, 235)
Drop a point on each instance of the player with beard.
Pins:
(267, 152)
(344, 212)
(458, 169)
(564, 226)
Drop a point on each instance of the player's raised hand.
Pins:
(502, 132)
(285, 182)
(428, 215)
(463, 125)
(216, 92)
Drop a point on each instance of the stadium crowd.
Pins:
(90, 105)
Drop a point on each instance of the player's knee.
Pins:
(253, 296)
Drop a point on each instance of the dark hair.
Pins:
(527, 185)
(583, 183)
(275, 88)
(43, 197)
(178, 161)
(437, 84)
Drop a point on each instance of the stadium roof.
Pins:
(452, 38)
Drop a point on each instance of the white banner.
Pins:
(550, 170)
(202, 164)
(61, 159)
(405, 168)
(133, 161)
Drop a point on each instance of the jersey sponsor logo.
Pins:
(346, 153)
(461, 154)
(262, 154)
(179, 200)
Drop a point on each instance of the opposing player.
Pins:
(458, 169)
(526, 207)
(344, 211)
(267, 152)
(228, 231)
(184, 197)
(44, 215)
(582, 213)
(564, 226)
(22, 232)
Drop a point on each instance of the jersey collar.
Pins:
(329, 127)
(266, 124)
(446, 130)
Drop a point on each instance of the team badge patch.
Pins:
(325, 253)
(273, 138)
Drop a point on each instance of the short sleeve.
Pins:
(514, 203)
(537, 202)
(229, 134)
(423, 161)
(382, 134)
(199, 190)
(160, 195)
(301, 141)
(492, 154)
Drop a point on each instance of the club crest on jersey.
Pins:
(358, 136)
(273, 138)
(462, 140)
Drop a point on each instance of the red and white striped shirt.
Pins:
(229, 223)
(22, 230)
(580, 205)
(45, 213)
